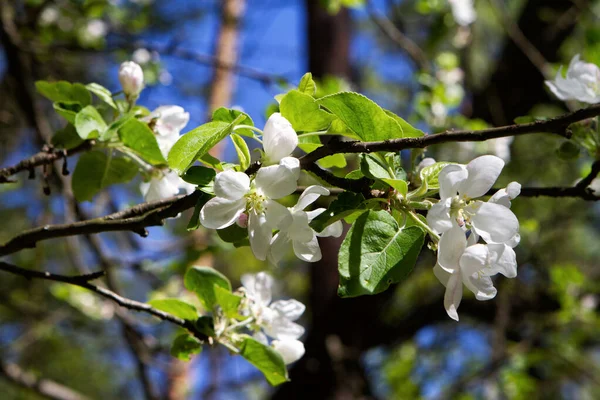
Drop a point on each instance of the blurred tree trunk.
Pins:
(331, 367)
(517, 85)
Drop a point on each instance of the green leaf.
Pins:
(241, 148)
(266, 359)
(568, 151)
(63, 91)
(345, 204)
(67, 110)
(95, 171)
(336, 160)
(304, 112)
(138, 136)
(185, 346)
(103, 94)
(407, 129)
(364, 117)
(200, 176)
(376, 253)
(195, 219)
(176, 307)
(229, 303)
(374, 167)
(429, 175)
(198, 142)
(229, 115)
(233, 233)
(212, 162)
(67, 138)
(202, 281)
(89, 123)
(307, 85)
(309, 143)
(398, 184)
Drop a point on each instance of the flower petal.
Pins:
(290, 350)
(293, 164)
(260, 234)
(450, 178)
(483, 172)
(438, 216)
(278, 216)
(279, 247)
(290, 309)
(307, 251)
(474, 259)
(220, 213)
(494, 222)
(315, 213)
(309, 196)
(279, 138)
(263, 286)
(261, 338)
(481, 285)
(453, 295)
(231, 185)
(335, 230)
(283, 328)
(451, 247)
(503, 260)
(442, 275)
(276, 181)
(299, 229)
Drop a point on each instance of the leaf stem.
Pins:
(434, 236)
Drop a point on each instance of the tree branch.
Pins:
(558, 125)
(44, 387)
(390, 30)
(83, 281)
(135, 219)
(45, 157)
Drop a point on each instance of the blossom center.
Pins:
(255, 201)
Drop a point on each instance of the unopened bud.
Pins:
(242, 220)
(131, 77)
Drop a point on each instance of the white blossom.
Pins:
(463, 11)
(167, 185)
(131, 77)
(582, 82)
(168, 121)
(299, 234)
(290, 350)
(236, 194)
(459, 184)
(461, 261)
(275, 319)
(279, 139)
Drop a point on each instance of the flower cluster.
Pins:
(167, 123)
(252, 202)
(581, 83)
(462, 221)
(273, 319)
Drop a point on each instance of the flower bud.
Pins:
(131, 77)
(242, 220)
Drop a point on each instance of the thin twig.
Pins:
(558, 125)
(83, 281)
(388, 28)
(44, 387)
